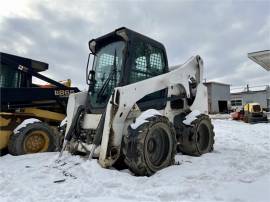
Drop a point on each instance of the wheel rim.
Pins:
(36, 141)
(203, 137)
(157, 147)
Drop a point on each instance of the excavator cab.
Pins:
(12, 77)
(124, 57)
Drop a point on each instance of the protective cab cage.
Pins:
(143, 58)
(18, 91)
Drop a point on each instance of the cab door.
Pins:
(148, 61)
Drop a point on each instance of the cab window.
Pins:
(148, 61)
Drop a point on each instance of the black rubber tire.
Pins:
(198, 138)
(159, 133)
(16, 140)
(246, 119)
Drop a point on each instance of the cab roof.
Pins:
(122, 33)
(14, 60)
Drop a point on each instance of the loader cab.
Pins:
(253, 108)
(12, 77)
(124, 57)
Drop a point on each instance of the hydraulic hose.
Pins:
(71, 130)
(98, 135)
(74, 122)
(99, 131)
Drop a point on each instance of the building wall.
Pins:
(217, 92)
(248, 97)
(268, 97)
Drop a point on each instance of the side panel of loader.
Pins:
(7, 125)
(9, 121)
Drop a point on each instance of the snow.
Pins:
(142, 118)
(238, 170)
(191, 117)
(24, 123)
(220, 116)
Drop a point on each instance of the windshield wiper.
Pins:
(112, 76)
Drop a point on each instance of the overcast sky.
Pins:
(222, 32)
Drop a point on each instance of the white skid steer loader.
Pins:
(136, 110)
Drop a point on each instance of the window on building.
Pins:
(236, 102)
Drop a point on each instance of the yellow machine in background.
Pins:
(253, 113)
(34, 132)
(30, 113)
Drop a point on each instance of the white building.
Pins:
(218, 97)
(258, 94)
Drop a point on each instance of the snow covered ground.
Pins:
(238, 170)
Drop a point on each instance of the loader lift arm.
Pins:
(124, 99)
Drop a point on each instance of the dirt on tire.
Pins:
(198, 138)
(17, 140)
(144, 161)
